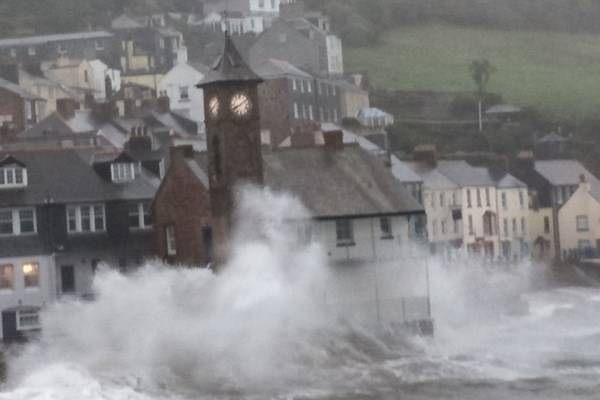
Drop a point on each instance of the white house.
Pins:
(579, 221)
(104, 77)
(513, 217)
(179, 85)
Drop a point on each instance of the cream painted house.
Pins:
(179, 85)
(579, 222)
(513, 218)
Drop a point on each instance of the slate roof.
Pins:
(18, 90)
(564, 172)
(55, 125)
(552, 137)
(66, 176)
(510, 182)
(463, 174)
(229, 67)
(33, 40)
(273, 68)
(333, 184)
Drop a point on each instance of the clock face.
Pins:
(213, 106)
(240, 104)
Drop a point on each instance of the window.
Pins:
(303, 111)
(261, 3)
(584, 245)
(86, 76)
(455, 226)
(99, 44)
(13, 53)
(31, 275)
(6, 222)
(28, 320)
(444, 227)
(294, 85)
(583, 223)
(385, 225)
(296, 111)
(184, 94)
(139, 216)
(523, 226)
(273, 5)
(122, 172)
(454, 202)
(487, 197)
(170, 240)
(521, 199)
(13, 177)
(308, 87)
(335, 115)
(505, 226)
(27, 220)
(7, 276)
(471, 230)
(319, 88)
(86, 218)
(504, 203)
(31, 51)
(546, 224)
(469, 198)
(61, 48)
(432, 199)
(17, 221)
(344, 231)
(311, 115)
(478, 198)
(434, 227)
(301, 86)
(442, 199)
(514, 226)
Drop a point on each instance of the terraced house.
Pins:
(62, 214)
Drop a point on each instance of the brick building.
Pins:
(18, 109)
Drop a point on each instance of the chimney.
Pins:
(583, 183)
(66, 108)
(334, 140)
(140, 139)
(184, 151)
(104, 111)
(426, 153)
(10, 72)
(163, 104)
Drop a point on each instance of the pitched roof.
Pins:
(123, 21)
(64, 176)
(230, 67)
(33, 40)
(274, 68)
(18, 90)
(348, 182)
(510, 182)
(564, 172)
(552, 137)
(463, 174)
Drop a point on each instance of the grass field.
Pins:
(558, 73)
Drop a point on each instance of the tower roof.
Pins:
(229, 67)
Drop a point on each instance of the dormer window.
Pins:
(123, 172)
(13, 177)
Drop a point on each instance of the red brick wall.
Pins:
(183, 202)
(11, 104)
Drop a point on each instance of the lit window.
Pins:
(170, 240)
(385, 224)
(583, 224)
(31, 275)
(86, 219)
(123, 172)
(344, 231)
(7, 276)
(139, 216)
(28, 320)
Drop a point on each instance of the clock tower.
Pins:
(233, 138)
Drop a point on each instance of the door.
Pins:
(67, 279)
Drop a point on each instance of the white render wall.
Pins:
(184, 75)
(581, 203)
(514, 211)
(335, 57)
(40, 296)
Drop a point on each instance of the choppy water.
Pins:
(260, 330)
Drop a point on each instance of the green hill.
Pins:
(558, 73)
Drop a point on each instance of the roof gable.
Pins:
(9, 160)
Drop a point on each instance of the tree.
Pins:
(481, 71)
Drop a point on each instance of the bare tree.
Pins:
(481, 71)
